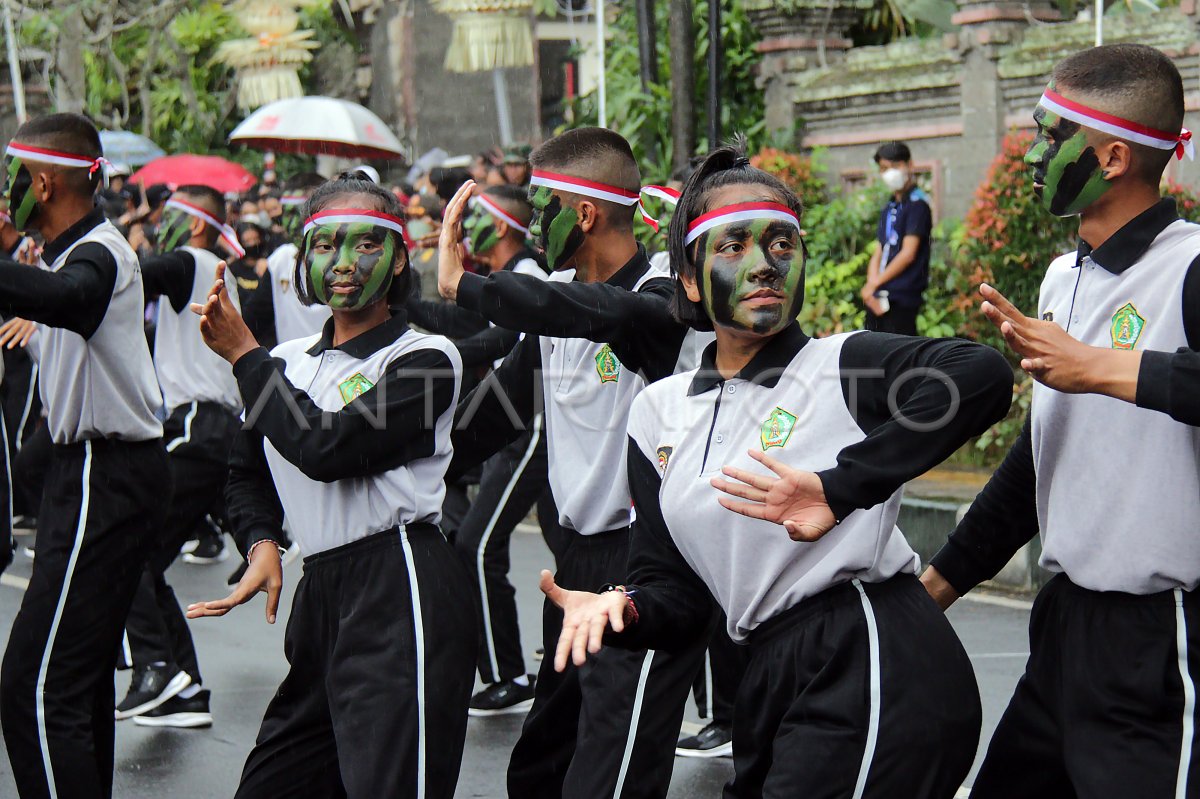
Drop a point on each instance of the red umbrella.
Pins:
(207, 170)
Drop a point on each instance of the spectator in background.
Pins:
(141, 225)
(253, 285)
(899, 268)
(516, 165)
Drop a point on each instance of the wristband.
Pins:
(630, 614)
(250, 551)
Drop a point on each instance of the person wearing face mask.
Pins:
(856, 685)
(1106, 469)
(898, 271)
(348, 433)
(102, 504)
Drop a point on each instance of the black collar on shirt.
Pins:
(365, 344)
(764, 369)
(71, 235)
(1123, 248)
(627, 276)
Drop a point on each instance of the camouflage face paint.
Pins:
(751, 275)
(554, 226)
(1065, 166)
(481, 232)
(349, 265)
(174, 231)
(19, 189)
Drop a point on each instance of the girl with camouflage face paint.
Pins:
(351, 256)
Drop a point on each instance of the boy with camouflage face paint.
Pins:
(595, 333)
(1120, 317)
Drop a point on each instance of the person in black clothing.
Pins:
(253, 283)
(596, 333)
(898, 271)
(857, 686)
(513, 479)
(102, 505)
(349, 434)
(202, 402)
(1105, 470)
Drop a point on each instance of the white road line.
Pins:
(13, 581)
(1000, 601)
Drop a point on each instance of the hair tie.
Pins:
(741, 162)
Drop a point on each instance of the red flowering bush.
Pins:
(796, 171)
(1186, 200)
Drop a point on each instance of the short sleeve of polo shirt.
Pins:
(918, 220)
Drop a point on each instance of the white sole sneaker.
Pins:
(183, 720)
(724, 750)
(178, 683)
(197, 560)
(512, 710)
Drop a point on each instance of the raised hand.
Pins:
(265, 573)
(450, 242)
(1051, 355)
(586, 616)
(794, 498)
(221, 325)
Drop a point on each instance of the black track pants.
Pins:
(606, 730)
(511, 482)
(382, 666)
(862, 691)
(101, 509)
(1106, 708)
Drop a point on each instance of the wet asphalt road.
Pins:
(242, 660)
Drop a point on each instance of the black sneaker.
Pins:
(150, 687)
(503, 698)
(211, 549)
(715, 740)
(178, 712)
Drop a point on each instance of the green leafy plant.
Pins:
(643, 116)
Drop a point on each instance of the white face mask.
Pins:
(894, 179)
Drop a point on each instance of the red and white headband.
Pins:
(292, 200)
(228, 234)
(354, 216)
(44, 156)
(667, 195)
(741, 212)
(588, 188)
(486, 204)
(1180, 142)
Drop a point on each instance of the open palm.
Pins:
(793, 498)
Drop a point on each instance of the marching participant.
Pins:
(1106, 707)
(102, 505)
(202, 402)
(596, 332)
(293, 319)
(856, 686)
(348, 432)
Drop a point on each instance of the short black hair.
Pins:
(1134, 82)
(725, 166)
(448, 181)
(595, 154)
(210, 200)
(354, 182)
(893, 151)
(514, 200)
(157, 194)
(69, 133)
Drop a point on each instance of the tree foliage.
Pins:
(644, 116)
(148, 64)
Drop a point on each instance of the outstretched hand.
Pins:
(586, 616)
(221, 325)
(450, 242)
(265, 573)
(1048, 353)
(16, 332)
(794, 498)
